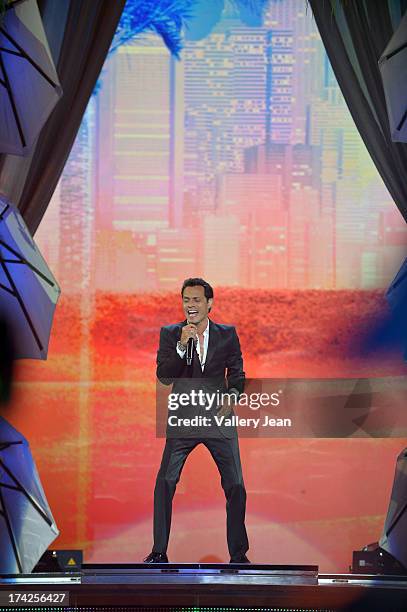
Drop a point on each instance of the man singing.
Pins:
(216, 362)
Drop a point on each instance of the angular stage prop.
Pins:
(393, 69)
(27, 527)
(28, 290)
(394, 537)
(29, 86)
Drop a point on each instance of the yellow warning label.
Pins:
(71, 561)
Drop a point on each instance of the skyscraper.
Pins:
(139, 179)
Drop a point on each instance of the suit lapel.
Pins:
(213, 342)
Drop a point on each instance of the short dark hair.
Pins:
(198, 282)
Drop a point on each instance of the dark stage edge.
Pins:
(206, 587)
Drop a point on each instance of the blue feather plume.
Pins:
(165, 17)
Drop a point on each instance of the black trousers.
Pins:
(225, 453)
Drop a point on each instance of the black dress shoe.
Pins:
(239, 559)
(154, 557)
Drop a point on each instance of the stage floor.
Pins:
(203, 587)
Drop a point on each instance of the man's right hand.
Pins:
(188, 331)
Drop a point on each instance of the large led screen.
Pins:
(238, 162)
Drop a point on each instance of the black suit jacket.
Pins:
(223, 371)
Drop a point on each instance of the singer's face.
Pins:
(195, 304)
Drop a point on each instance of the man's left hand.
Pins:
(226, 408)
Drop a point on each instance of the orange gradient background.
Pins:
(89, 413)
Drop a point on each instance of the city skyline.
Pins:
(242, 152)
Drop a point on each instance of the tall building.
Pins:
(256, 202)
(238, 94)
(142, 134)
(249, 89)
(209, 111)
(140, 165)
(307, 81)
(310, 261)
(279, 92)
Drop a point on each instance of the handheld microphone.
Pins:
(190, 351)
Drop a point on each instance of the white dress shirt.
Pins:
(198, 347)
